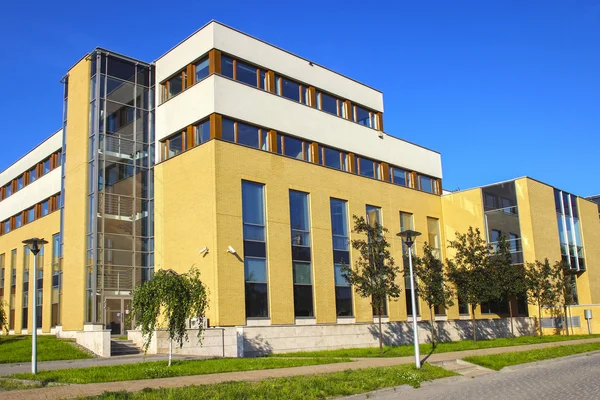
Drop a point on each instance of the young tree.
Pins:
(511, 277)
(471, 273)
(432, 284)
(171, 298)
(3, 317)
(564, 277)
(541, 286)
(374, 273)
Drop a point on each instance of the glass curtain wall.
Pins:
(120, 226)
(569, 231)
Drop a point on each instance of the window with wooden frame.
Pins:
(6, 226)
(428, 184)
(294, 148)
(245, 134)
(399, 176)
(369, 168)
(175, 145)
(244, 72)
(202, 132)
(292, 90)
(201, 69)
(174, 85)
(365, 117)
(330, 104)
(334, 158)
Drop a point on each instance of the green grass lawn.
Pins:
(407, 350)
(499, 361)
(297, 388)
(159, 369)
(18, 349)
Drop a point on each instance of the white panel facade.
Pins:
(185, 52)
(280, 61)
(186, 108)
(228, 40)
(268, 110)
(31, 194)
(46, 148)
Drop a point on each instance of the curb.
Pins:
(548, 361)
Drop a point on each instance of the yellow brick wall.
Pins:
(76, 199)
(185, 217)
(44, 228)
(186, 210)
(588, 282)
(462, 210)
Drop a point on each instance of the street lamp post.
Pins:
(35, 246)
(409, 239)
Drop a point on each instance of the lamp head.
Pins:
(409, 236)
(35, 244)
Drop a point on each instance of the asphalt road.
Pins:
(568, 378)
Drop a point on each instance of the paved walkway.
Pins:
(16, 368)
(573, 377)
(94, 389)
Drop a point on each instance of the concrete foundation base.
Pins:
(249, 341)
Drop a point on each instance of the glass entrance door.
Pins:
(116, 314)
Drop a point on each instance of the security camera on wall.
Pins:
(231, 250)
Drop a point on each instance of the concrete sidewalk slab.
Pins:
(94, 389)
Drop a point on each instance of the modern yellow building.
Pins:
(248, 162)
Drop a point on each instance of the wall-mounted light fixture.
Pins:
(231, 250)
(204, 250)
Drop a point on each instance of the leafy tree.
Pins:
(541, 286)
(511, 277)
(432, 284)
(471, 271)
(171, 298)
(374, 273)
(3, 317)
(564, 277)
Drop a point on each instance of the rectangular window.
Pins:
(335, 159)
(244, 134)
(399, 176)
(327, 103)
(406, 223)
(55, 317)
(175, 145)
(45, 208)
(463, 307)
(374, 218)
(175, 85)
(6, 226)
(202, 69)
(301, 254)
(202, 132)
(26, 256)
(295, 148)
(227, 66)
(246, 73)
(20, 182)
(288, 89)
(427, 184)
(341, 256)
(255, 249)
(7, 190)
(373, 215)
(32, 174)
(18, 221)
(30, 213)
(433, 236)
(228, 128)
(248, 135)
(364, 117)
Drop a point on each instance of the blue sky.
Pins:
(501, 88)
